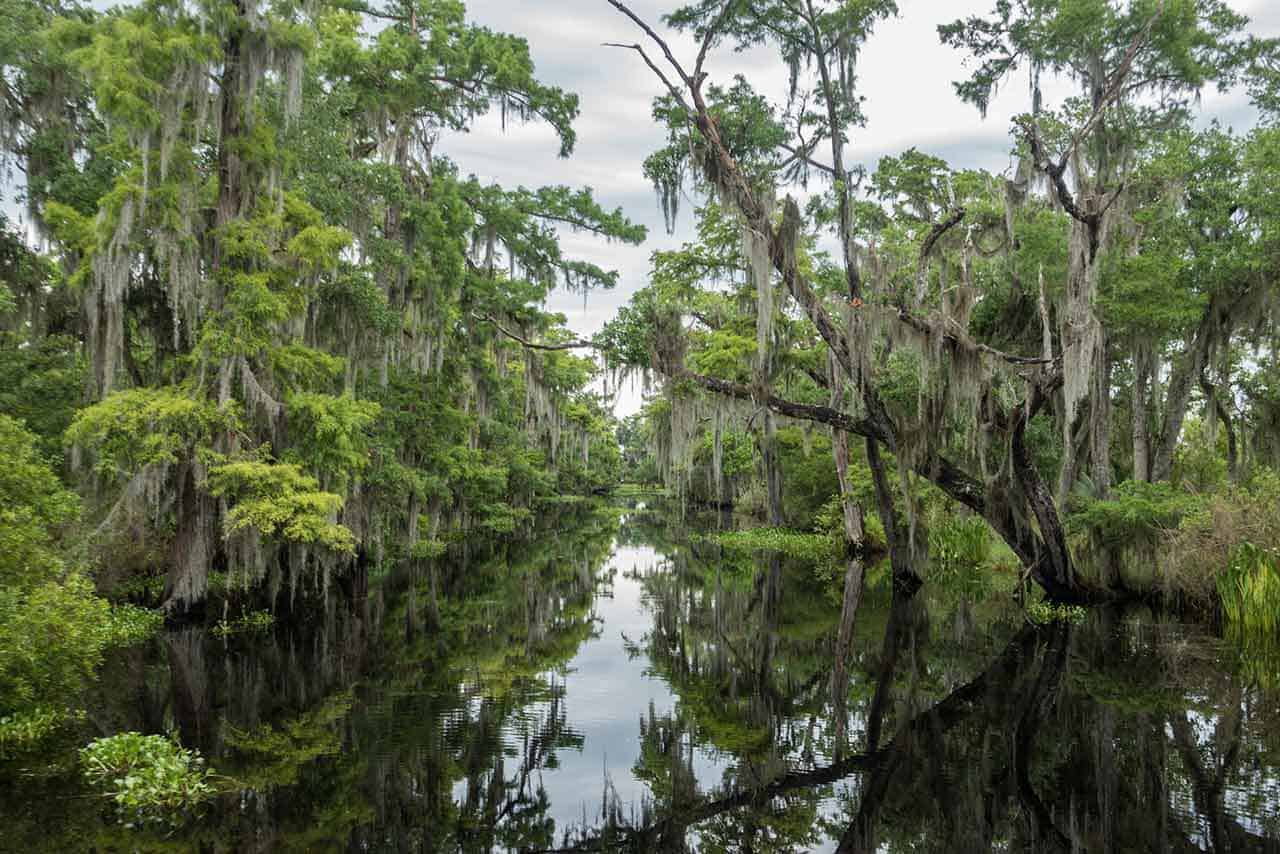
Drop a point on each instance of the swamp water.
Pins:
(632, 686)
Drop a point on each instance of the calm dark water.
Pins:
(628, 686)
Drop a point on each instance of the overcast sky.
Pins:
(904, 72)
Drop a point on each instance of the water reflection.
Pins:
(604, 689)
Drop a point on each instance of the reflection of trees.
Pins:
(465, 719)
(426, 738)
(367, 730)
(894, 774)
(1058, 744)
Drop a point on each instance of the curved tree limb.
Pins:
(533, 345)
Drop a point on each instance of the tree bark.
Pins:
(1178, 397)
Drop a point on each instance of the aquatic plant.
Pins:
(1042, 613)
(960, 543)
(797, 544)
(150, 778)
(1249, 590)
(253, 621)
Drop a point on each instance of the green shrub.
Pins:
(129, 624)
(34, 506)
(51, 641)
(1135, 512)
(25, 729)
(150, 778)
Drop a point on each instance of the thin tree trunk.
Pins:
(1142, 369)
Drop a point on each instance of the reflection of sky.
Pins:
(606, 693)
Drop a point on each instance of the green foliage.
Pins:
(1043, 613)
(128, 624)
(53, 629)
(330, 434)
(141, 427)
(797, 544)
(25, 730)
(41, 385)
(1249, 590)
(1197, 465)
(280, 502)
(959, 545)
(151, 779)
(1193, 42)
(34, 508)
(51, 642)
(1136, 511)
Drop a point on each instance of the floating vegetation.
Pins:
(1044, 613)
(797, 544)
(253, 621)
(151, 778)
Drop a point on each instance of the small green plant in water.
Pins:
(1044, 613)
(254, 621)
(129, 624)
(797, 544)
(150, 778)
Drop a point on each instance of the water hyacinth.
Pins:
(150, 778)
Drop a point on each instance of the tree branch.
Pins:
(524, 342)
(675, 92)
(649, 31)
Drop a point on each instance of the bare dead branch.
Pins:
(532, 345)
(675, 92)
(657, 39)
